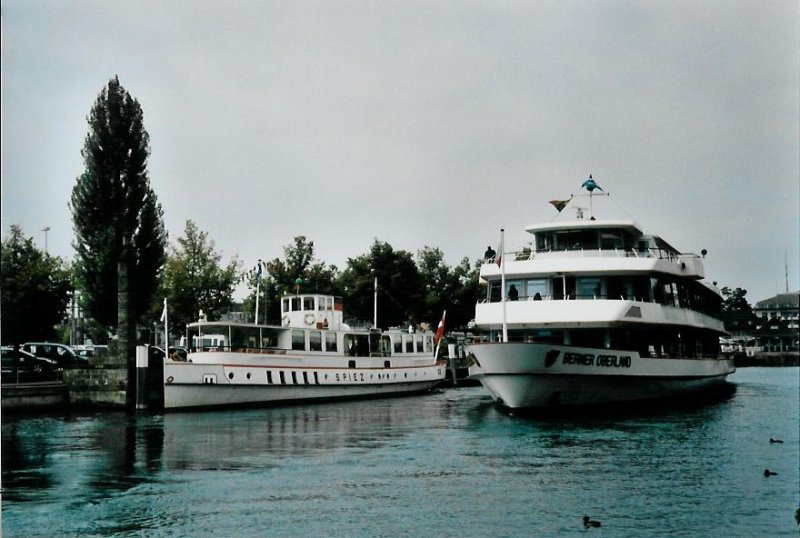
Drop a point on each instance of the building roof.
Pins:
(782, 300)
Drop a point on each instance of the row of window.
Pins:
(309, 304)
(686, 343)
(663, 290)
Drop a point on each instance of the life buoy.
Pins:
(285, 321)
(309, 319)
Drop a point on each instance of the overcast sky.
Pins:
(421, 123)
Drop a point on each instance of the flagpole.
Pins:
(258, 292)
(375, 306)
(166, 329)
(503, 281)
(258, 288)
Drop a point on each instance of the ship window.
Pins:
(398, 344)
(308, 303)
(294, 378)
(537, 285)
(386, 345)
(283, 377)
(316, 378)
(299, 340)
(315, 341)
(494, 291)
(330, 341)
(286, 305)
(295, 304)
(419, 345)
(409, 343)
(269, 377)
(588, 288)
(305, 378)
(351, 364)
(428, 344)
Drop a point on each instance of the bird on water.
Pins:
(590, 522)
(771, 440)
(767, 472)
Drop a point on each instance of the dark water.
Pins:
(445, 464)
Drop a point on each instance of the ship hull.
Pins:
(208, 385)
(532, 375)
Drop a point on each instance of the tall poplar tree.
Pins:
(113, 200)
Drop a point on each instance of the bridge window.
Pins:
(308, 303)
(330, 342)
(298, 340)
(315, 340)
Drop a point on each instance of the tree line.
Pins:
(124, 265)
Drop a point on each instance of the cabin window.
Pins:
(588, 288)
(428, 345)
(493, 293)
(308, 303)
(286, 305)
(409, 340)
(419, 344)
(294, 378)
(295, 304)
(515, 293)
(299, 340)
(610, 240)
(315, 341)
(269, 377)
(386, 345)
(398, 344)
(537, 288)
(330, 341)
(357, 345)
(269, 338)
(283, 377)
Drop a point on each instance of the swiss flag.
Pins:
(439, 330)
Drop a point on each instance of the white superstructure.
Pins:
(313, 355)
(596, 311)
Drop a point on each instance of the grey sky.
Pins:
(421, 123)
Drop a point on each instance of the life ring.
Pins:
(285, 321)
(309, 319)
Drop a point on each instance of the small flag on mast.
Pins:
(164, 311)
(590, 185)
(561, 204)
(439, 329)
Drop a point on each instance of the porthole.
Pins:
(230, 375)
(248, 375)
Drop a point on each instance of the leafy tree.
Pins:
(113, 200)
(195, 279)
(280, 276)
(734, 300)
(454, 289)
(34, 290)
(400, 288)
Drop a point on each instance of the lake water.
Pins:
(444, 464)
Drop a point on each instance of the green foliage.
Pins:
(34, 290)
(195, 279)
(400, 287)
(453, 289)
(112, 199)
(279, 278)
(734, 301)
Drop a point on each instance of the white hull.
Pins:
(245, 379)
(530, 375)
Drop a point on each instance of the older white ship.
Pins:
(593, 312)
(313, 355)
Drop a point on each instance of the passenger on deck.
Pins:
(490, 253)
(513, 294)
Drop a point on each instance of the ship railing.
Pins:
(654, 253)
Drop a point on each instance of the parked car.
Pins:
(175, 353)
(63, 355)
(19, 366)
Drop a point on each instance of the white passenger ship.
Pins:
(596, 312)
(313, 355)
